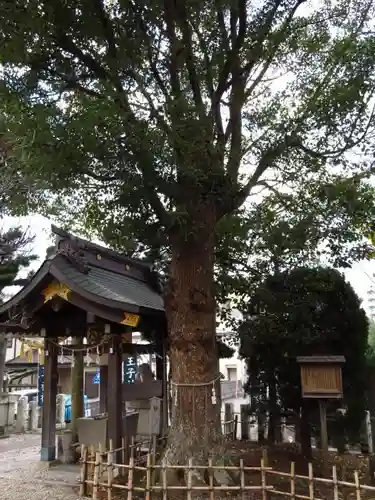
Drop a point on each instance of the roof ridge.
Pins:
(63, 235)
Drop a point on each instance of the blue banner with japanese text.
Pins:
(40, 385)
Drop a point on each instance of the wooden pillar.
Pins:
(161, 374)
(77, 378)
(103, 388)
(48, 448)
(115, 403)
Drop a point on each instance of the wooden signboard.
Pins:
(321, 376)
(321, 381)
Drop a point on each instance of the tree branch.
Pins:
(207, 62)
(102, 74)
(169, 17)
(189, 59)
(272, 154)
(150, 57)
(338, 152)
(237, 42)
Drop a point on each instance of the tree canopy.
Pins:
(188, 99)
(317, 223)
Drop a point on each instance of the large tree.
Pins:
(150, 121)
(303, 312)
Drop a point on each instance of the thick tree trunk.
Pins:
(195, 427)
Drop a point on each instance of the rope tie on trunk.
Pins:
(212, 382)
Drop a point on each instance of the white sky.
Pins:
(359, 276)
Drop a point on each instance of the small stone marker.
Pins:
(21, 414)
(60, 410)
(33, 416)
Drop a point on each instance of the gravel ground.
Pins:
(23, 478)
(24, 490)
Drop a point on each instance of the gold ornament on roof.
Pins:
(55, 289)
(130, 319)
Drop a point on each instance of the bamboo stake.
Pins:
(357, 486)
(311, 482)
(83, 488)
(335, 484)
(110, 471)
(154, 446)
(148, 477)
(92, 454)
(189, 478)
(164, 479)
(292, 479)
(96, 476)
(130, 478)
(132, 449)
(264, 457)
(101, 462)
(242, 479)
(211, 479)
(264, 482)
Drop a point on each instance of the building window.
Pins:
(9, 343)
(232, 373)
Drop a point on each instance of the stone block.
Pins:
(21, 421)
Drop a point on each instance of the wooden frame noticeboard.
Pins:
(321, 376)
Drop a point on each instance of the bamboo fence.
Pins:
(105, 482)
(264, 481)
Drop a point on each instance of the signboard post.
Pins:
(321, 378)
(130, 370)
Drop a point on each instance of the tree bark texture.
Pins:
(190, 306)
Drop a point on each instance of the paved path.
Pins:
(23, 478)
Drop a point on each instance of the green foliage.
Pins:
(13, 255)
(129, 135)
(319, 222)
(304, 312)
